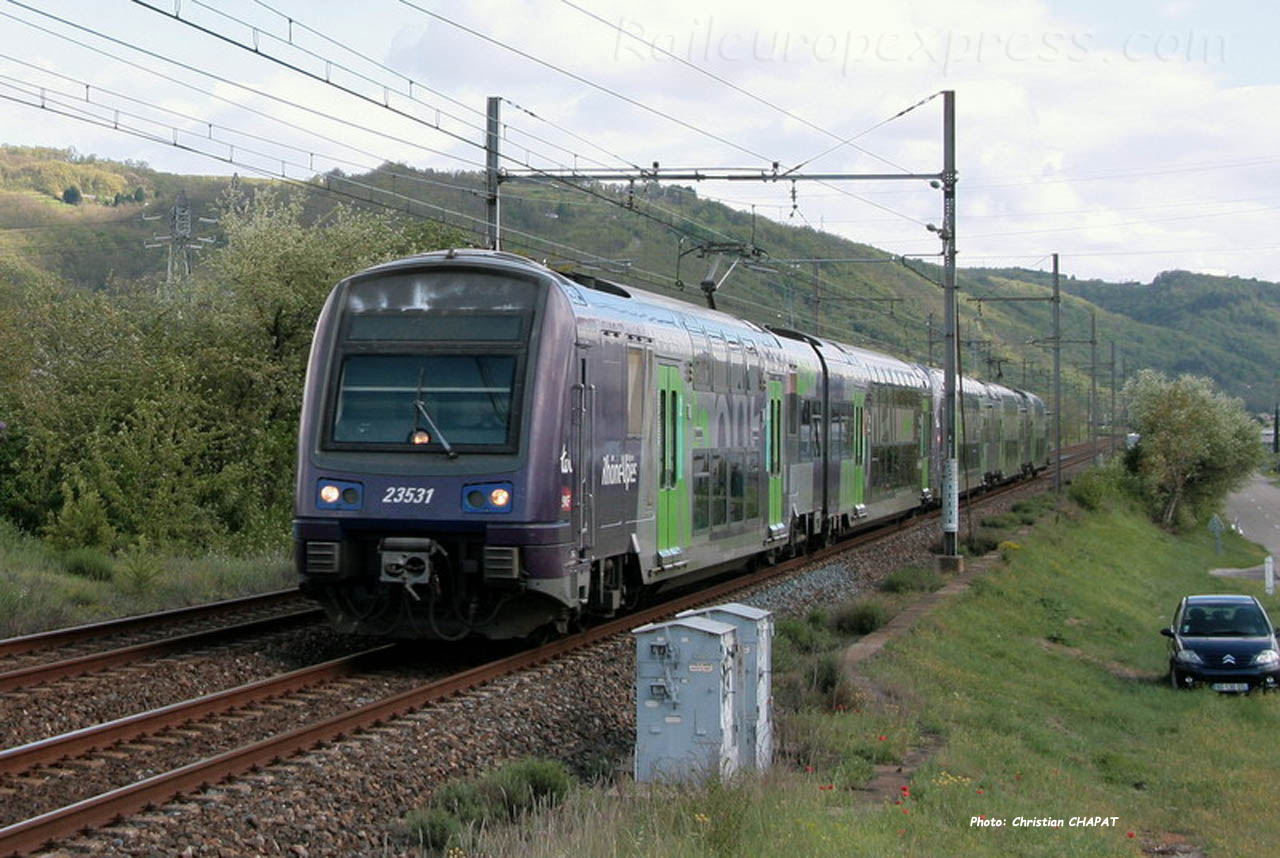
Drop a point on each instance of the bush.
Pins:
(82, 522)
(71, 196)
(911, 578)
(529, 783)
(982, 542)
(1089, 489)
(803, 636)
(88, 563)
(861, 617)
(500, 795)
(1004, 521)
(433, 827)
(139, 569)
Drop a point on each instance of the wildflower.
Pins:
(979, 790)
(808, 769)
(883, 737)
(906, 791)
(702, 819)
(1131, 834)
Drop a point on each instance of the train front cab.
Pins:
(434, 490)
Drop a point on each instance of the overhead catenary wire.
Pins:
(585, 81)
(175, 15)
(749, 94)
(219, 79)
(277, 99)
(330, 64)
(365, 97)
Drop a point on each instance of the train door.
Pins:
(773, 457)
(861, 446)
(923, 431)
(853, 466)
(674, 525)
(583, 444)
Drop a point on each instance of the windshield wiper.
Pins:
(420, 408)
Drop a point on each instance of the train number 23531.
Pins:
(408, 494)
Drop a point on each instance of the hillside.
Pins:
(1181, 322)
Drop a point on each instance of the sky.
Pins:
(1130, 138)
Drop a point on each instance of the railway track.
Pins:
(17, 651)
(31, 834)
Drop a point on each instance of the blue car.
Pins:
(1223, 641)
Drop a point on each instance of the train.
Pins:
(491, 448)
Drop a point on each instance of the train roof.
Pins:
(609, 298)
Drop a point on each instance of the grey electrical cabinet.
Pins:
(686, 672)
(755, 679)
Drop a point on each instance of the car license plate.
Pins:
(1230, 686)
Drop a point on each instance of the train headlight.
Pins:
(487, 497)
(339, 494)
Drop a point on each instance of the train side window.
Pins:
(701, 493)
(635, 392)
(719, 491)
(806, 430)
(662, 439)
(816, 416)
(737, 489)
(753, 491)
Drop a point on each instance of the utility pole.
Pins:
(1093, 383)
(181, 243)
(491, 173)
(1111, 416)
(1057, 380)
(950, 482)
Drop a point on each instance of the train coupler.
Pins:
(409, 561)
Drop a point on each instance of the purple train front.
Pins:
(436, 489)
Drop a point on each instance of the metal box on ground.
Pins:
(755, 681)
(686, 671)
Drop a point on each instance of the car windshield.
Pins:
(1223, 621)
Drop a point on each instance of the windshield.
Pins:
(433, 360)
(467, 396)
(1223, 621)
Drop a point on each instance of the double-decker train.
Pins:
(491, 448)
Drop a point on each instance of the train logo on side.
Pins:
(619, 470)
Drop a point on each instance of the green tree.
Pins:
(175, 419)
(71, 196)
(139, 195)
(1197, 443)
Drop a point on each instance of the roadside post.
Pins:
(1216, 528)
(1269, 575)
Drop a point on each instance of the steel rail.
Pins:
(39, 673)
(33, 834)
(58, 637)
(19, 759)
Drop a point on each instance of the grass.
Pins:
(1042, 689)
(41, 588)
